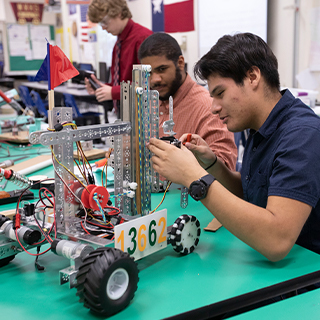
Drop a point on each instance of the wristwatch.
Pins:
(198, 189)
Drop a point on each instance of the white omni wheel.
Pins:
(185, 234)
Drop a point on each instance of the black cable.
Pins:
(36, 263)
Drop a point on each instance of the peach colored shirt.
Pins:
(192, 114)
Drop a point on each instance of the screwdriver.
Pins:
(188, 138)
(100, 163)
(8, 163)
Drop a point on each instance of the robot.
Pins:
(103, 269)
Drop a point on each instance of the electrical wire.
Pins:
(18, 214)
(164, 195)
(54, 156)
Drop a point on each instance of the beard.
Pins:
(175, 85)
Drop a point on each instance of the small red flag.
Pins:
(61, 69)
(60, 66)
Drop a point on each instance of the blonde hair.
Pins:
(98, 9)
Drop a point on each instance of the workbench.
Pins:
(221, 275)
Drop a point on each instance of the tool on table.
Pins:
(14, 196)
(10, 162)
(15, 105)
(15, 177)
(3, 186)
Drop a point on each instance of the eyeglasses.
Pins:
(104, 22)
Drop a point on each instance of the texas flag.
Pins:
(56, 68)
(172, 15)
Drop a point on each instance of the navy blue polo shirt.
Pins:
(282, 159)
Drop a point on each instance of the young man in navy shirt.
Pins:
(274, 202)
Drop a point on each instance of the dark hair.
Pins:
(232, 56)
(160, 44)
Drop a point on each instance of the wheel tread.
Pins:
(90, 276)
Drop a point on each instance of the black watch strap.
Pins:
(207, 179)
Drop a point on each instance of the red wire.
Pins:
(84, 228)
(16, 233)
(111, 213)
(45, 192)
(53, 204)
(32, 254)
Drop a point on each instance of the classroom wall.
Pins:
(191, 54)
(293, 58)
(7, 16)
(291, 46)
(281, 35)
(2, 14)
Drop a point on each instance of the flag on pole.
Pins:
(56, 68)
(172, 16)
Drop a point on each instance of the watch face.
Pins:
(197, 190)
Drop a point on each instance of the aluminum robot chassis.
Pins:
(105, 277)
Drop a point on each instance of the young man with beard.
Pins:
(274, 202)
(191, 102)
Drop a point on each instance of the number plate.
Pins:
(142, 236)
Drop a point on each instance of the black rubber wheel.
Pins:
(107, 281)
(185, 233)
(5, 261)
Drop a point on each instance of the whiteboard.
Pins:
(220, 17)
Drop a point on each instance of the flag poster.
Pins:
(87, 33)
(172, 16)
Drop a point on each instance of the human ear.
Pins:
(254, 76)
(181, 63)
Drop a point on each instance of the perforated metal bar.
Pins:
(146, 137)
(63, 150)
(184, 197)
(82, 133)
(149, 127)
(118, 171)
(154, 133)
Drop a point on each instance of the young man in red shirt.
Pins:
(114, 16)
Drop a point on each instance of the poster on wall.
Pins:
(38, 36)
(87, 33)
(27, 12)
(172, 16)
(19, 44)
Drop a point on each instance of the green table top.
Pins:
(222, 267)
(303, 306)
